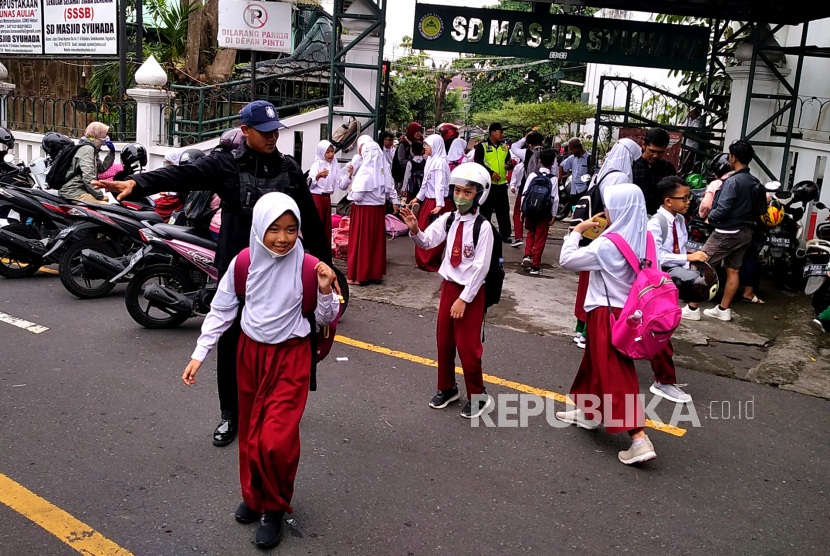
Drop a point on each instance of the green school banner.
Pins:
(560, 37)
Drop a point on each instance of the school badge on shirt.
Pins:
(469, 251)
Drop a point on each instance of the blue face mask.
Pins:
(464, 205)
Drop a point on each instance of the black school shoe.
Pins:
(444, 398)
(224, 433)
(269, 533)
(482, 403)
(244, 514)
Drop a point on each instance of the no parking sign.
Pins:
(253, 25)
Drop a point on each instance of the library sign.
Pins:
(58, 27)
(560, 37)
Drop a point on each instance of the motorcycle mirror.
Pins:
(820, 206)
(585, 178)
(773, 186)
(8, 158)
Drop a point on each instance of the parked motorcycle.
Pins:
(817, 255)
(11, 172)
(181, 280)
(565, 200)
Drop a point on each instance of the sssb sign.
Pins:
(560, 37)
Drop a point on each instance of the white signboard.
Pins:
(252, 25)
(20, 27)
(82, 27)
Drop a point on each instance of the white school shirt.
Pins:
(665, 249)
(325, 186)
(434, 186)
(389, 154)
(516, 178)
(475, 260)
(517, 149)
(573, 257)
(225, 307)
(554, 189)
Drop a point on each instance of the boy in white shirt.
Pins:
(464, 267)
(668, 227)
(538, 224)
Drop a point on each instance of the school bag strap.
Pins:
(625, 249)
(243, 264)
(664, 226)
(476, 226)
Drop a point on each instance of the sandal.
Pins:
(754, 299)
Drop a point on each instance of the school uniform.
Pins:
(537, 230)
(463, 268)
(322, 189)
(517, 182)
(273, 359)
(371, 188)
(604, 371)
(434, 192)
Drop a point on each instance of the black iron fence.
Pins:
(70, 117)
(812, 114)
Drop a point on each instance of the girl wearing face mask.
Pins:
(434, 199)
(274, 360)
(323, 176)
(85, 166)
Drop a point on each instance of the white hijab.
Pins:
(274, 290)
(320, 164)
(437, 161)
(373, 174)
(457, 150)
(621, 157)
(626, 208)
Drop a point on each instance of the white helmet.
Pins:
(471, 173)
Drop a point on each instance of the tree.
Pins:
(550, 115)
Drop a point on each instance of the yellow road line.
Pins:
(676, 431)
(78, 535)
(42, 269)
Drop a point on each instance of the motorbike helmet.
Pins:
(470, 173)
(774, 215)
(806, 191)
(696, 181)
(720, 166)
(190, 156)
(53, 143)
(133, 154)
(703, 287)
(6, 140)
(448, 131)
(231, 139)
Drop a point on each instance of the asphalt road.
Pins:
(96, 420)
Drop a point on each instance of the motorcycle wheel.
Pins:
(142, 310)
(564, 208)
(344, 288)
(71, 270)
(10, 265)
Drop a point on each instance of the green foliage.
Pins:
(411, 99)
(549, 116)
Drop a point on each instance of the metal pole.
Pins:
(139, 32)
(122, 63)
(785, 165)
(748, 103)
(253, 75)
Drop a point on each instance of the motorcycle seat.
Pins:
(150, 215)
(182, 233)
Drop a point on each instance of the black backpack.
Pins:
(398, 169)
(416, 177)
(197, 209)
(759, 200)
(589, 204)
(537, 204)
(494, 281)
(57, 175)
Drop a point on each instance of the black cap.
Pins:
(495, 127)
(262, 116)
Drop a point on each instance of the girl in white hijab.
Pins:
(434, 199)
(605, 376)
(456, 155)
(323, 176)
(274, 363)
(618, 166)
(371, 188)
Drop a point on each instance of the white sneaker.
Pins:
(638, 453)
(576, 417)
(581, 344)
(526, 262)
(690, 314)
(517, 243)
(717, 313)
(671, 392)
(579, 338)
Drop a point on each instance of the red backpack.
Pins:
(322, 341)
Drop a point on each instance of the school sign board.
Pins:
(253, 25)
(560, 37)
(62, 28)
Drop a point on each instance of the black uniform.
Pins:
(240, 179)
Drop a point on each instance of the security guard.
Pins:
(240, 178)
(495, 156)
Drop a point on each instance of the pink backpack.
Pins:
(322, 341)
(651, 314)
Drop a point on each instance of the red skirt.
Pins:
(430, 259)
(323, 202)
(273, 389)
(581, 293)
(606, 382)
(367, 243)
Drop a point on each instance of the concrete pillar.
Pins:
(365, 81)
(151, 103)
(6, 89)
